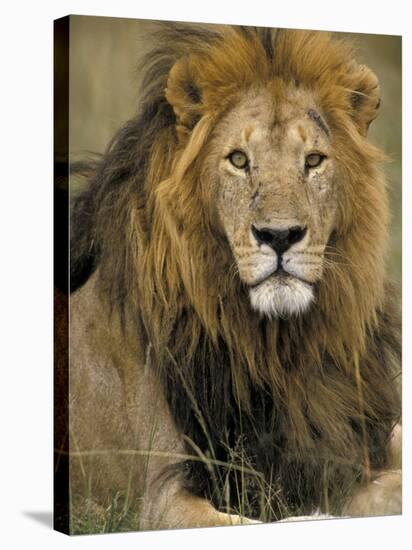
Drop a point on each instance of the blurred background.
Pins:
(104, 83)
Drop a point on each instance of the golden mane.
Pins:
(147, 224)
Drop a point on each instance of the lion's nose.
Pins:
(279, 239)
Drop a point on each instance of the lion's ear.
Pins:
(365, 97)
(184, 95)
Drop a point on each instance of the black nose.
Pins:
(279, 239)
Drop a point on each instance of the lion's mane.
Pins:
(304, 399)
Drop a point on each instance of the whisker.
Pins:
(333, 252)
(307, 263)
(233, 270)
(306, 252)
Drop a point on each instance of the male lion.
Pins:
(234, 342)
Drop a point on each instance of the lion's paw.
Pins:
(315, 516)
(234, 519)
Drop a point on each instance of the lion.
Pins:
(235, 341)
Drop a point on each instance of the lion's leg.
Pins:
(176, 508)
(395, 449)
(383, 495)
(380, 497)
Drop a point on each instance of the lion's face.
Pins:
(274, 171)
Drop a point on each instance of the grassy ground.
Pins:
(120, 513)
(87, 517)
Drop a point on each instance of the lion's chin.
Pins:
(281, 297)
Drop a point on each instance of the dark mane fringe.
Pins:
(302, 398)
(128, 153)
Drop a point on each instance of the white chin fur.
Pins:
(281, 298)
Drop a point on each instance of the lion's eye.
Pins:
(314, 160)
(239, 160)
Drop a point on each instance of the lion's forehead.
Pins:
(264, 123)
